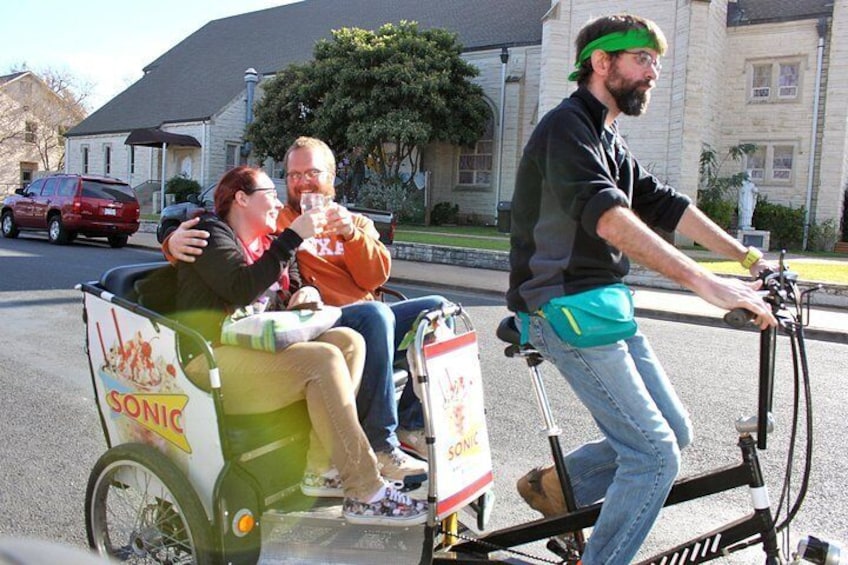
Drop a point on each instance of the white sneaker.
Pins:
(413, 441)
(396, 465)
(325, 485)
(392, 508)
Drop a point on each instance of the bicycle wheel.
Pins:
(140, 508)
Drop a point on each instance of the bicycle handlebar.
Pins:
(778, 289)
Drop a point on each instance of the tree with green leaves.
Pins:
(384, 93)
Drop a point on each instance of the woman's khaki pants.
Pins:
(326, 372)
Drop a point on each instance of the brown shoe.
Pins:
(397, 466)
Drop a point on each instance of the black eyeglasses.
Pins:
(260, 189)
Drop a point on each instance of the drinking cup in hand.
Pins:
(310, 200)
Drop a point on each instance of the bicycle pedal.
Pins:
(564, 550)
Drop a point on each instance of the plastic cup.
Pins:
(310, 200)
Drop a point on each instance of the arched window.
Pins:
(476, 161)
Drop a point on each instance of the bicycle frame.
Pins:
(757, 528)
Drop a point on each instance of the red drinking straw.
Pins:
(102, 345)
(118, 331)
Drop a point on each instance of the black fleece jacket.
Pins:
(572, 171)
(220, 279)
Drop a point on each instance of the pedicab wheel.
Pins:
(140, 508)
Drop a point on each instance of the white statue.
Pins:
(747, 200)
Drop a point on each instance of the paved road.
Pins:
(52, 434)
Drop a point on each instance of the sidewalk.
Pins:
(828, 324)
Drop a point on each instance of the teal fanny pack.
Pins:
(595, 317)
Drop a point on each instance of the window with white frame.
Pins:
(27, 173)
(475, 162)
(787, 80)
(234, 157)
(771, 162)
(761, 82)
(107, 160)
(775, 81)
(30, 129)
(756, 164)
(781, 162)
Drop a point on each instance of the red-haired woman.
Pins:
(239, 266)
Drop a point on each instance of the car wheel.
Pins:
(10, 229)
(56, 233)
(117, 241)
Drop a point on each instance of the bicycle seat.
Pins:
(508, 331)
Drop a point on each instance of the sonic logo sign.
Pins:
(161, 414)
(455, 393)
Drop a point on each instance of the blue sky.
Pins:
(104, 43)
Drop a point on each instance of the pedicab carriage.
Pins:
(185, 481)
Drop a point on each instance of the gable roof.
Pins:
(200, 75)
(749, 12)
(9, 78)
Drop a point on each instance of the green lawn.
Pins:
(473, 237)
(459, 230)
(808, 269)
(813, 267)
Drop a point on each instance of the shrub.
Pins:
(407, 202)
(716, 207)
(785, 223)
(444, 213)
(823, 236)
(181, 187)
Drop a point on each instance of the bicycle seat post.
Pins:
(534, 359)
(508, 332)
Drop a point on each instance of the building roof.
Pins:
(749, 12)
(204, 72)
(9, 78)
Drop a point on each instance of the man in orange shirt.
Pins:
(347, 263)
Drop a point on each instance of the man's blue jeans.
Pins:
(644, 426)
(383, 326)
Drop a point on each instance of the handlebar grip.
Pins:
(738, 317)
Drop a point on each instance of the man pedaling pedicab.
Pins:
(347, 262)
(243, 266)
(583, 205)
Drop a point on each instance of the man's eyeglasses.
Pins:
(646, 60)
(309, 175)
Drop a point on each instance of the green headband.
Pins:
(615, 41)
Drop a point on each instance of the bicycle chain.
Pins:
(499, 548)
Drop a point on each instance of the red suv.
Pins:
(71, 205)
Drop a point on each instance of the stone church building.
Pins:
(768, 72)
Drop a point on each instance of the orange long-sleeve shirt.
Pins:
(343, 271)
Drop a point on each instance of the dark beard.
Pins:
(630, 100)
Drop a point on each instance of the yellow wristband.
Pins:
(751, 257)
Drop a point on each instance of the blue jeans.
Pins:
(383, 326)
(644, 425)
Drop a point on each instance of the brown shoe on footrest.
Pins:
(541, 490)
